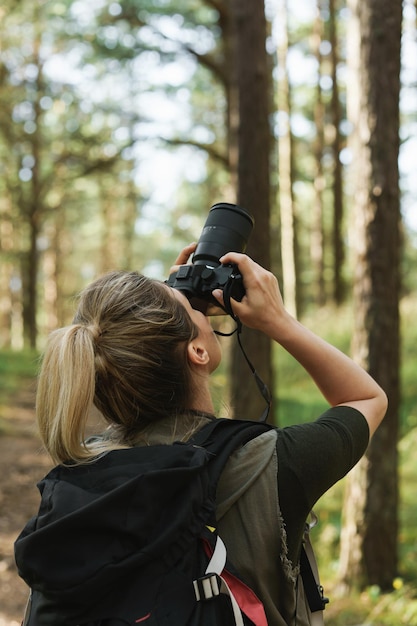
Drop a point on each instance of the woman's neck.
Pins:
(201, 400)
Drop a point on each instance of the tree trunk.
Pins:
(285, 183)
(317, 226)
(6, 273)
(338, 240)
(32, 209)
(369, 545)
(50, 283)
(232, 94)
(253, 83)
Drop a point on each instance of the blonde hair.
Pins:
(126, 353)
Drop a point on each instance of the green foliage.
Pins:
(15, 369)
(409, 261)
(298, 399)
(14, 366)
(408, 414)
(372, 608)
(408, 509)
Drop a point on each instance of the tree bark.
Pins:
(253, 84)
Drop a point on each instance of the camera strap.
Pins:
(263, 388)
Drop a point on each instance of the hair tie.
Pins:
(95, 331)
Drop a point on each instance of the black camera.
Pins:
(227, 229)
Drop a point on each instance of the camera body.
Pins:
(227, 229)
(198, 281)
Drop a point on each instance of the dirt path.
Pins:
(22, 464)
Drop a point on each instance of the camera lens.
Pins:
(227, 229)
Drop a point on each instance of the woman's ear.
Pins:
(197, 353)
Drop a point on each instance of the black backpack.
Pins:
(178, 573)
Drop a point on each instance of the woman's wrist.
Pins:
(281, 327)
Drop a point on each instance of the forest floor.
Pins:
(22, 465)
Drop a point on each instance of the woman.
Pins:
(144, 356)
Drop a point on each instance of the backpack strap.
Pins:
(310, 575)
(213, 583)
(28, 606)
(222, 436)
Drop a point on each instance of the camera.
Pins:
(227, 229)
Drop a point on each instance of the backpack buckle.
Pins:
(323, 598)
(207, 587)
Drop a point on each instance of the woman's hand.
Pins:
(262, 306)
(183, 258)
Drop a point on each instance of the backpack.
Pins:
(183, 577)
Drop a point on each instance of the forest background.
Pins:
(121, 123)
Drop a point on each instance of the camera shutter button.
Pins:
(207, 273)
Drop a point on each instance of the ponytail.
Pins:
(66, 392)
(126, 353)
